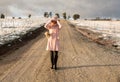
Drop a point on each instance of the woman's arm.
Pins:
(59, 24)
(47, 26)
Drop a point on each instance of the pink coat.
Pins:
(53, 40)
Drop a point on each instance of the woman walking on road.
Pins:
(53, 41)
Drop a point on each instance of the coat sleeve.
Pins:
(59, 24)
(47, 26)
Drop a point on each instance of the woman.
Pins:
(53, 41)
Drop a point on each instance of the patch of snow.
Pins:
(108, 29)
(14, 28)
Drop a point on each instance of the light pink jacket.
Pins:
(53, 40)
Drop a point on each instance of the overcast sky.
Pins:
(86, 8)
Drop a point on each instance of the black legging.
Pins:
(54, 57)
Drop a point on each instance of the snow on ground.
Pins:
(108, 29)
(13, 28)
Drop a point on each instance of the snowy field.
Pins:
(14, 28)
(108, 29)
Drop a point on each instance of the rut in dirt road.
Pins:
(80, 60)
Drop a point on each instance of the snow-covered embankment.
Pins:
(15, 33)
(109, 30)
(11, 29)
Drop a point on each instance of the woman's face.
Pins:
(53, 23)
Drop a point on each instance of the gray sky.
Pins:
(86, 8)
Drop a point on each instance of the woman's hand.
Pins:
(59, 24)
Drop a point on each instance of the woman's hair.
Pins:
(54, 21)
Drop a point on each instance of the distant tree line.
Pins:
(76, 16)
(100, 19)
(2, 16)
(50, 14)
(47, 14)
(64, 15)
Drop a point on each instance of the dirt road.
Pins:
(80, 60)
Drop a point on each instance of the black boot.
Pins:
(56, 58)
(52, 59)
